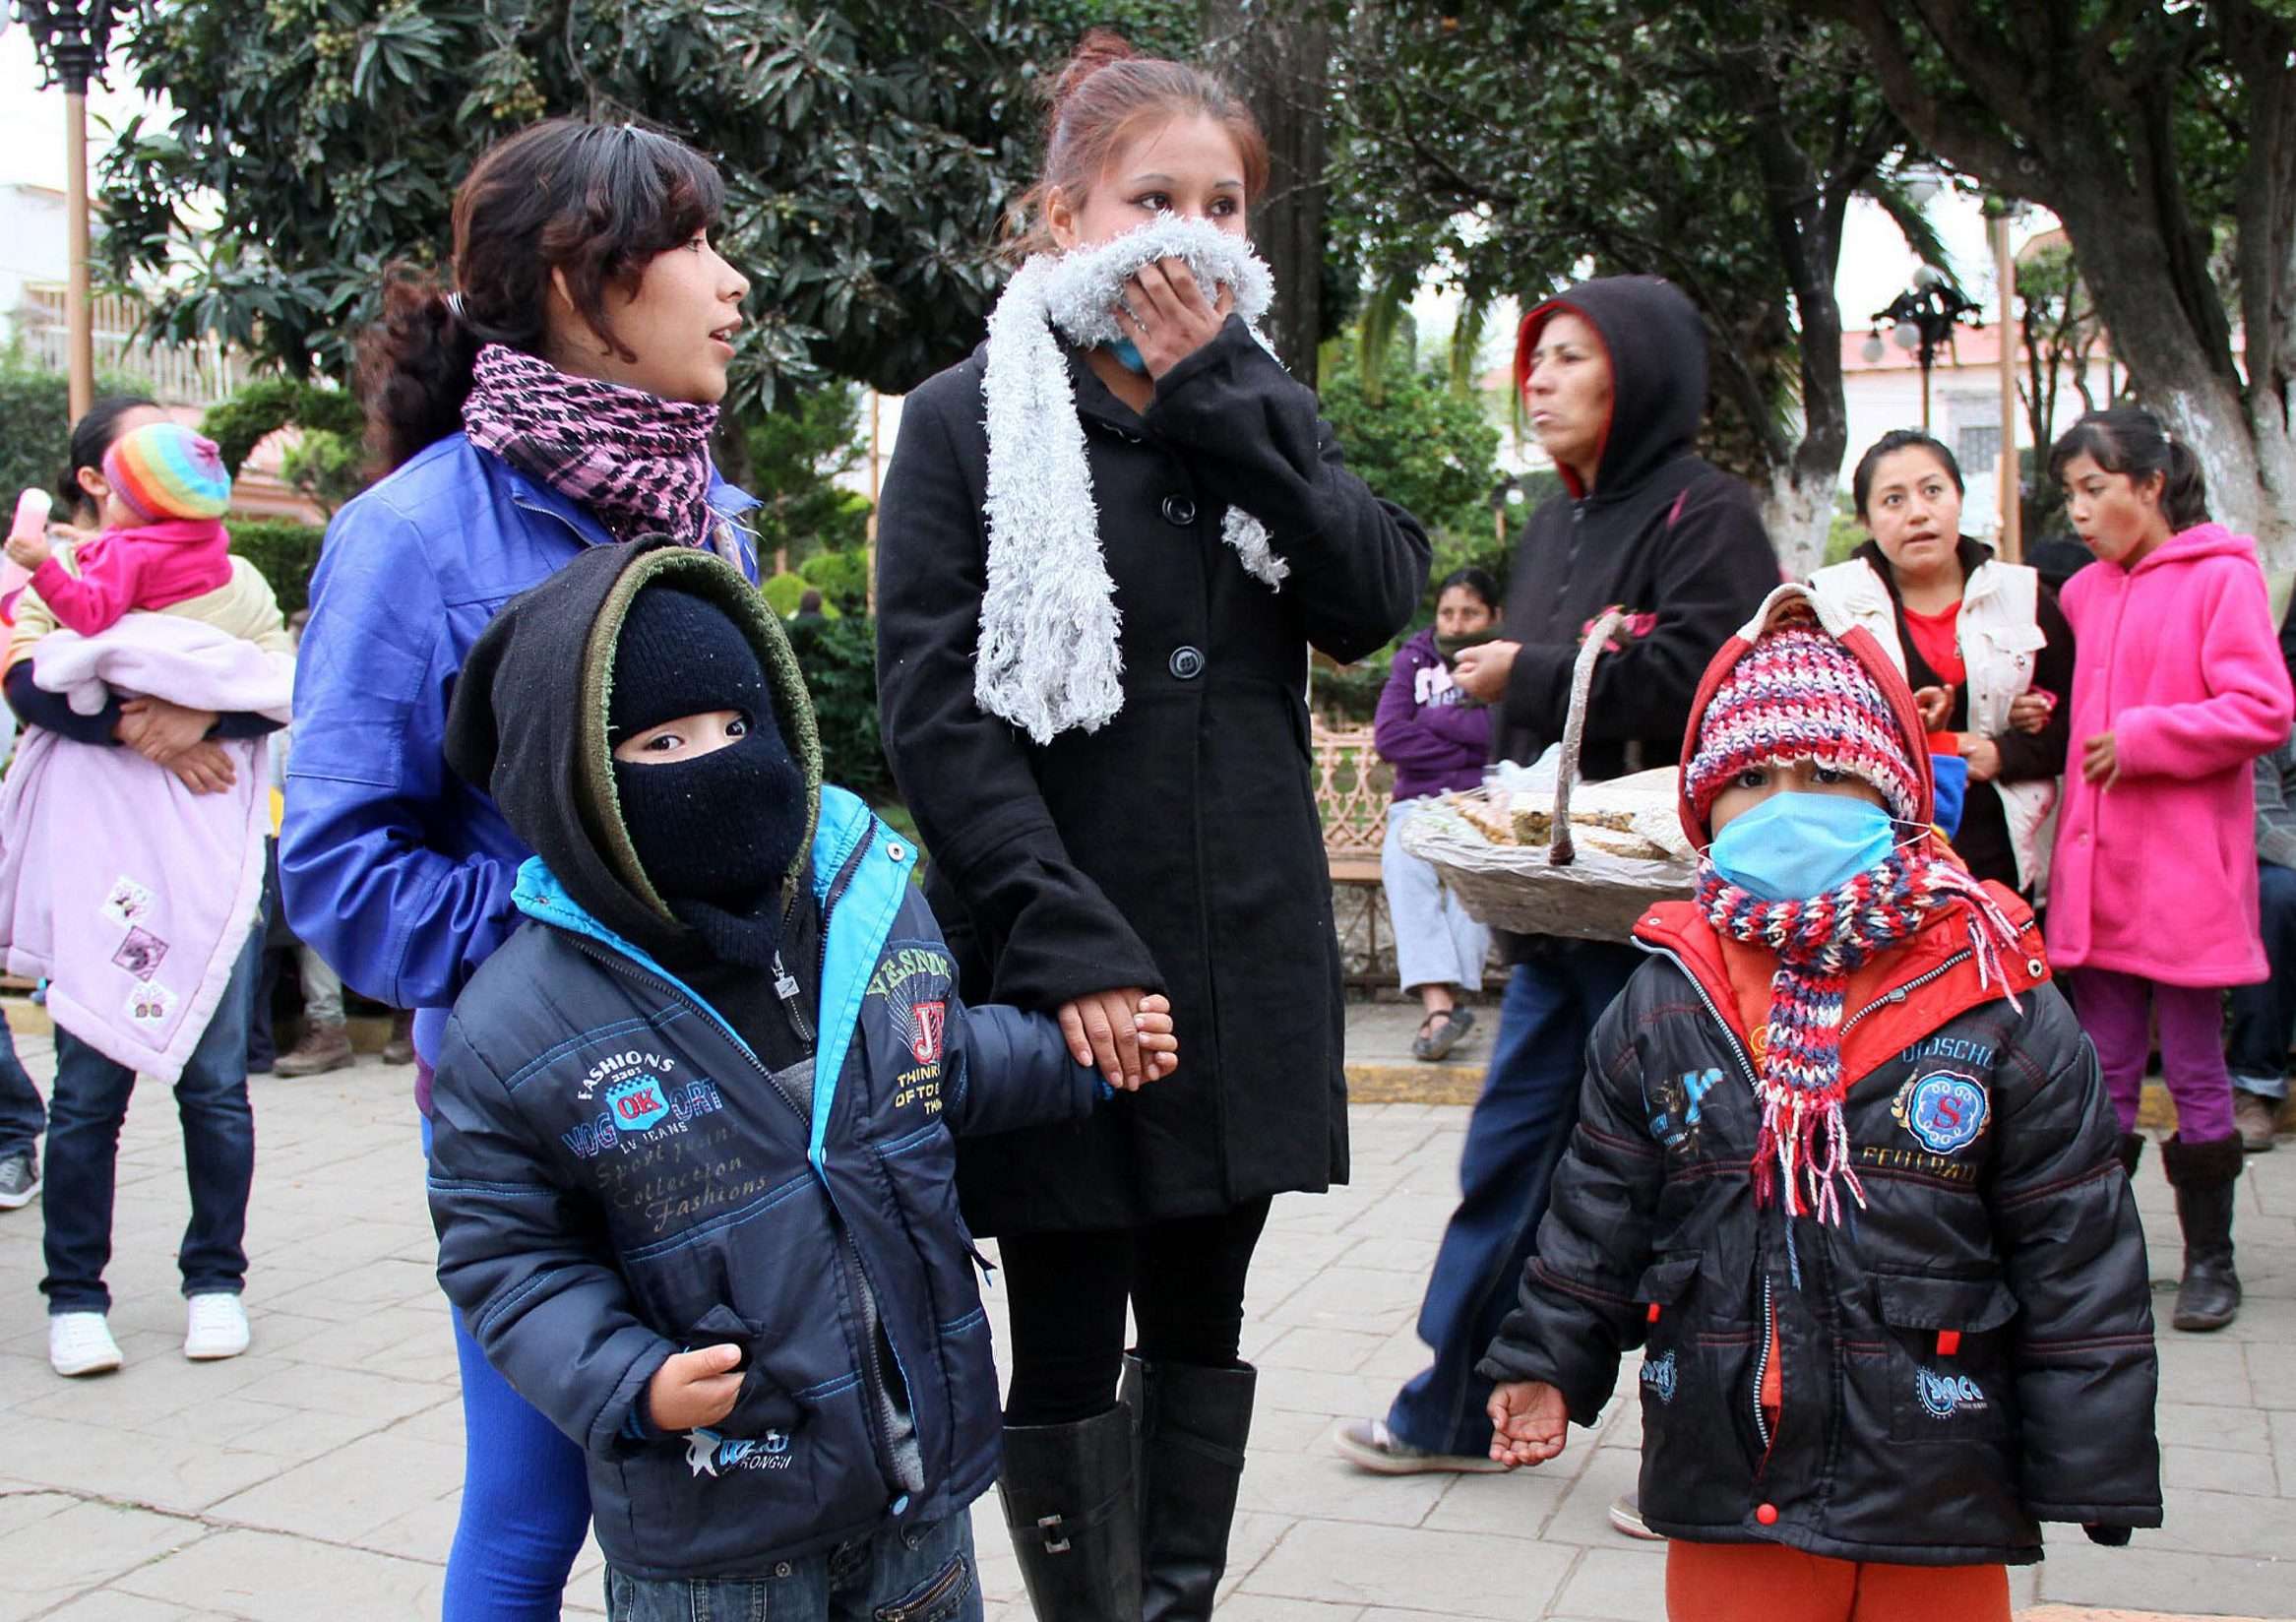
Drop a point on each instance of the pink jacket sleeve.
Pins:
(92, 602)
(2249, 704)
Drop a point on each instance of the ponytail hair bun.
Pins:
(1106, 95)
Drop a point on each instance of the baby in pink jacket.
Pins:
(2178, 685)
(164, 545)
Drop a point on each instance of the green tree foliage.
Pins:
(36, 428)
(870, 153)
(326, 464)
(1418, 443)
(1513, 145)
(792, 457)
(840, 659)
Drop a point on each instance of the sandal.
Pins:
(1439, 1033)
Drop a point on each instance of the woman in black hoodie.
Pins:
(1614, 375)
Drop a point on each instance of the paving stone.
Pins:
(1628, 1584)
(348, 1492)
(267, 1577)
(1438, 1571)
(2079, 1573)
(2213, 1469)
(129, 1468)
(62, 1555)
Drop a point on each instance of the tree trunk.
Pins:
(1798, 511)
(1277, 53)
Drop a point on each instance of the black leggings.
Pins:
(1184, 1279)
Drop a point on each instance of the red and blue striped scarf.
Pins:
(1819, 942)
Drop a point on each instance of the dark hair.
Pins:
(1477, 581)
(91, 436)
(809, 603)
(2129, 439)
(596, 202)
(1107, 91)
(1861, 483)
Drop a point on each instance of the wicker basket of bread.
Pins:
(1581, 860)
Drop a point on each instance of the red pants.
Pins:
(1770, 1582)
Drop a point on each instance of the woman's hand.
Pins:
(694, 1389)
(2030, 712)
(1104, 1029)
(1983, 757)
(1529, 1422)
(2100, 762)
(1936, 705)
(161, 732)
(1164, 312)
(203, 769)
(1481, 673)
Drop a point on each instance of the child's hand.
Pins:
(1159, 1049)
(1936, 705)
(2030, 712)
(694, 1388)
(1528, 1421)
(30, 551)
(2100, 761)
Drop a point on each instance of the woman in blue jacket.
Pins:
(560, 397)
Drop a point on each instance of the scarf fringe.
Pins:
(1048, 659)
(1802, 1153)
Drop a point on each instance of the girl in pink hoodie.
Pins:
(2178, 685)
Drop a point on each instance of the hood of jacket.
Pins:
(1658, 348)
(528, 725)
(1861, 644)
(2201, 540)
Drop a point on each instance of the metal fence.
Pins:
(177, 374)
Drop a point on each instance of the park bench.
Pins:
(1353, 789)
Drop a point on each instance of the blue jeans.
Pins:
(22, 1116)
(1516, 1137)
(2264, 1016)
(85, 1107)
(526, 1498)
(923, 1573)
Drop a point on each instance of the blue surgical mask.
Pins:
(1794, 846)
(1127, 355)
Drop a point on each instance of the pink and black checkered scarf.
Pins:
(639, 463)
(1819, 941)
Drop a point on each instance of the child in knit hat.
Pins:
(1845, 1171)
(164, 539)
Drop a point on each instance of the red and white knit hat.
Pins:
(1799, 695)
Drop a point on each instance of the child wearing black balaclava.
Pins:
(691, 1169)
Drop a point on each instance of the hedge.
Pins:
(286, 552)
(840, 659)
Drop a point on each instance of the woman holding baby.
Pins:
(1108, 543)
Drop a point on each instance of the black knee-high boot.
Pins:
(1194, 1423)
(1073, 1512)
(2202, 1175)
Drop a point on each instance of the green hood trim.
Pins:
(708, 577)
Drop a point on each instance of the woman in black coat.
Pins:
(1105, 830)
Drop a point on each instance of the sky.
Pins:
(31, 122)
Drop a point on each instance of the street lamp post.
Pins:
(1922, 319)
(71, 39)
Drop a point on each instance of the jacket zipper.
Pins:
(856, 1271)
(1898, 994)
(1737, 1048)
(1762, 1368)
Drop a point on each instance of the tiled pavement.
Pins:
(317, 1475)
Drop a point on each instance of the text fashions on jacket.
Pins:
(2156, 876)
(399, 873)
(1677, 543)
(1966, 1355)
(1177, 848)
(2011, 638)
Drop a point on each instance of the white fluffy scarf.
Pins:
(1048, 657)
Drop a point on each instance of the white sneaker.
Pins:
(80, 1342)
(216, 1327)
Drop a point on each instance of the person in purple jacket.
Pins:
(1437, 739)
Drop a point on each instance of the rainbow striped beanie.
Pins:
(163, 470)
(1796, 695)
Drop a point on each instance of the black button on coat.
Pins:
(1177, 848)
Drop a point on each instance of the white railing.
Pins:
(177, 374)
